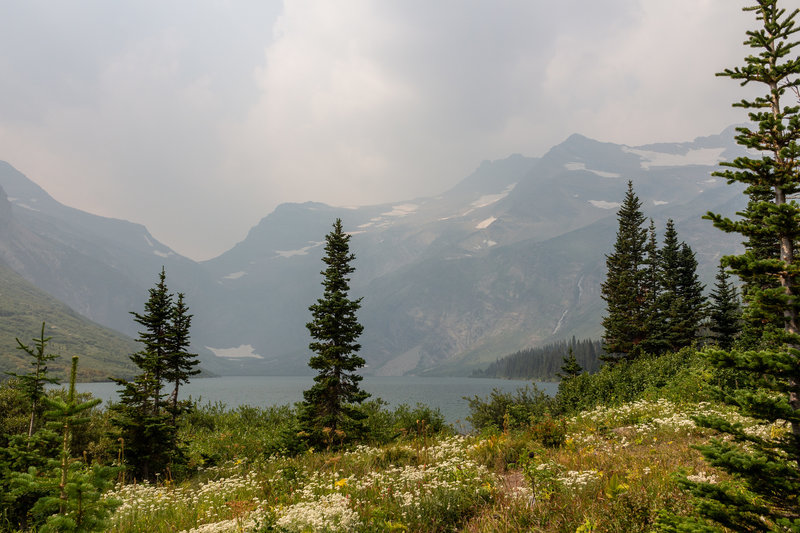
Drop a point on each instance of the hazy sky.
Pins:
(198, 117)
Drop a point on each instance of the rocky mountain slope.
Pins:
(511, 257)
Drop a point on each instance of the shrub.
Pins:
(505, 410)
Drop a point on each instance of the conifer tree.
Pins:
(570, 367)
(328, 412)
(152, 359)
(691, 301)
(624, 288)
(147, 429)
(766, 469)
(653, 342)
(180, 364)
(148, 440)
(725, 314)
(32, 384)
(74, 501)
(680, 302)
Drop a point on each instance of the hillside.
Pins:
(102, 351)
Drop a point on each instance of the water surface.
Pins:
(445, 393)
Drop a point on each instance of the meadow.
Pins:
(604, 469)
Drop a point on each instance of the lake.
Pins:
(445, 393)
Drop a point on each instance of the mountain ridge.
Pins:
(509, 257)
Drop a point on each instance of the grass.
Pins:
(612, 469)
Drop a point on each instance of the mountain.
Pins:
(101, 267)
(511, 257)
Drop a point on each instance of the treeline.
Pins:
(544, 362)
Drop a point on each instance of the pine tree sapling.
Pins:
(570, 368)
(75, 502)
(32, 384)
(328, 413)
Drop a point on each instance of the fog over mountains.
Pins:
(511, 257)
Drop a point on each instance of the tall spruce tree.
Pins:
(625, 323)
(766, 469)
(724, 313)
(180, 363)
(152, 359)
(680, 302)
(691, 299)
(653, 342)
(328, 412)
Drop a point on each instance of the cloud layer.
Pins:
(196, 118)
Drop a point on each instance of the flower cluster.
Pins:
(331, 512)
(578, 479)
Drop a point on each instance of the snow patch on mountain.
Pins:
(243, 351)
(401, 210)
(659, 202)
(602, 204)
(235, 275)
(485, 223)
(582, 166)
(701, 156)
(489, 199)
(161, 254)
(19, 203)
(300, 251)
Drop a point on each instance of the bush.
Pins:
(505, 410)
(385, 425)
(678, 376)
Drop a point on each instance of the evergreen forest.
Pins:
(543, 363)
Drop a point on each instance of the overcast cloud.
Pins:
(198, 117)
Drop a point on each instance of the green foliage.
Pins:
(74, 502)
(388, 425)
(20, 455)
(679, 376)
(329, 411)
(505, 410)
(14, 410)
(148, 441)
